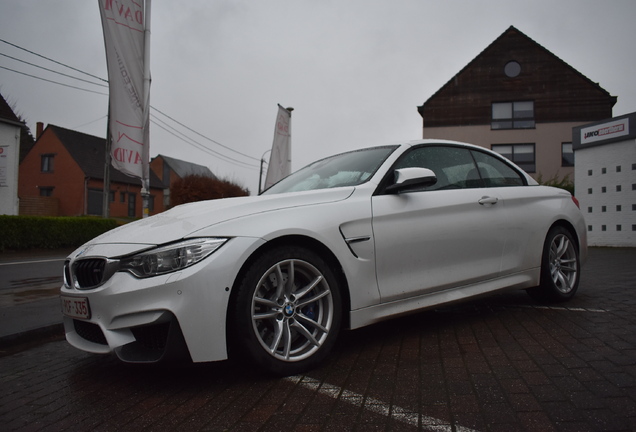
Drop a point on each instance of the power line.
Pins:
(51, 70)
(174, 132)
(203, 136)
(51, 60)
(198, 145)
(53, 82)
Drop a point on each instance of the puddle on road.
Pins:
(29, 290)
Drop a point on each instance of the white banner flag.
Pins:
(125, 36)
(280, 159)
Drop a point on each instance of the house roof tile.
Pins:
(89, 153)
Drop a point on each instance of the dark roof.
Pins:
(545, 77)
(183, 168)
(88, 151)
(7, 114)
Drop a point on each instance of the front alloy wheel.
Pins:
(292, 310)
(287, 311)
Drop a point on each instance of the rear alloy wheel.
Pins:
(559, 267)
(288, 311)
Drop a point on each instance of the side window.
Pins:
(495, 172)
(453, 166)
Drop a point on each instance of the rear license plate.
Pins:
(75, 307)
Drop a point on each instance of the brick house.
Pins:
(170, 170)
(68, 167)
(519, 99)
(10, 133)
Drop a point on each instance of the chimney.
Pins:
(39, 128)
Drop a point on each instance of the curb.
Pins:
(19, 341)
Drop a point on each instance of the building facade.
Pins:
(605, 176)
(10, 129)
(63, 175)
(520, 100)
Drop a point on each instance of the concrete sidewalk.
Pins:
(29, 309)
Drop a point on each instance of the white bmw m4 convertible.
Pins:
(342, 243)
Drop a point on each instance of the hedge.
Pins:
(30, 232)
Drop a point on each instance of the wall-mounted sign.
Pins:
(4, 163)
(600, 133)
(605, 131)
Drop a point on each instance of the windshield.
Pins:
(346, 169)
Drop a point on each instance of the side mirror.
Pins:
(411, 178)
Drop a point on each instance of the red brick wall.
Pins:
(67, 178)
(39, 206)
(69, 183)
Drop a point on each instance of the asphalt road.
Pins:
(502, 363)
(31, 273)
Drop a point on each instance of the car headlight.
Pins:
(173, 257)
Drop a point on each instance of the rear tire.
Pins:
(560, 267)
(287, 312)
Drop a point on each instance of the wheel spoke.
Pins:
(306, 333)
(301, 293)
(561, 281)
(267, 302)
(265, 315)
(278, 335)
(311, 322)
(313, 298)
(287, 339)
(291, 279)
(555, 274)
(280, 285)
(562, 247)
(567, 268)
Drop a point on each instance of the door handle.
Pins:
(488, 200)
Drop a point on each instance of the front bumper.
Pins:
(152, 319)
(159, 341)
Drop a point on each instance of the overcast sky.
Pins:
(355, 71)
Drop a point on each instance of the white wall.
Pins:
(597, 168)
(9, 162)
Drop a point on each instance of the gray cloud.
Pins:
(354, 70)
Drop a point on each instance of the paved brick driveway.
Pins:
(501, 363)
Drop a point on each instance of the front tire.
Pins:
(560, 267)
(287, 312)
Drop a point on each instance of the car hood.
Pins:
(184, 220)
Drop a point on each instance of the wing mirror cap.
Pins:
(411, 178)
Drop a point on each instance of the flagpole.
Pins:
(145, 180)
(107, 161)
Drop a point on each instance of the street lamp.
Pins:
(260, 177)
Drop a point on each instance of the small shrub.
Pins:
(200, 188)
(555, 181)
(30, 232)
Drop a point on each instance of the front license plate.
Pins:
(75, 307)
